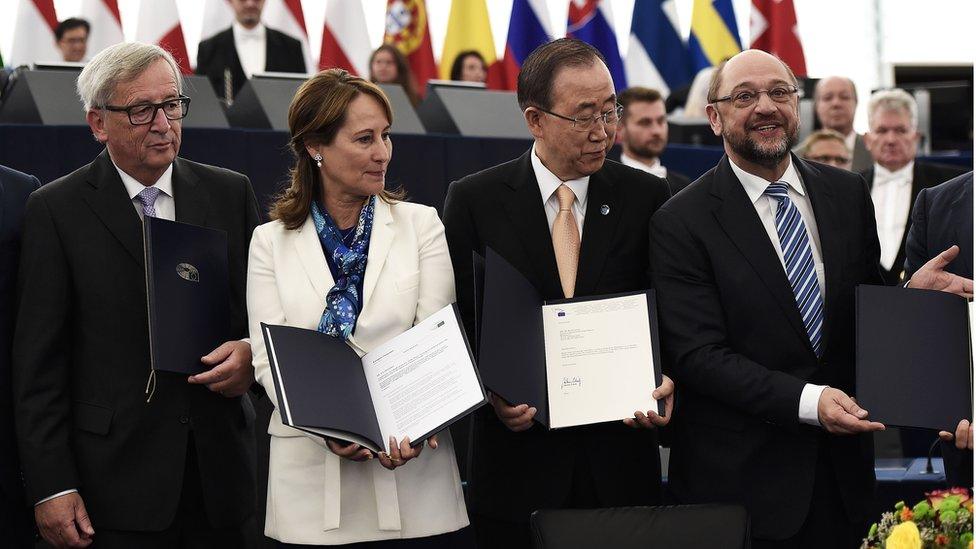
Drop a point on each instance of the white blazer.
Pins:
(314, 496)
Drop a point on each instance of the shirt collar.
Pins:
(548, 182)
(902, 175)
(654, 167)
(258, 32)
(755, 186)
(133, 187)
(850, 140)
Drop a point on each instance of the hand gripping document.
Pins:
(914, 357)
(577, 361)
(414, 385)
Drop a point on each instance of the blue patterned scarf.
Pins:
(343, 302)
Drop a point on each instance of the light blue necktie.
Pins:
(148, 198)
(798, 257)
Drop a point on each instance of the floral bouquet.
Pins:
(943, 520)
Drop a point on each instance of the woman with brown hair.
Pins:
(350, 259)
(388, 65)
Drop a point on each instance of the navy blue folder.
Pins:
(188, 289)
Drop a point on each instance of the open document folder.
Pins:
(414, 385)
(577, 361)
(914, 361)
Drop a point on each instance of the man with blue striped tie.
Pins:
(755, 267)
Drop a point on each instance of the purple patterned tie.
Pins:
(148, 198)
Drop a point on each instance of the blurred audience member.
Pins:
(827, 147)
(644, 134)
(72, 39)
(387, 65)
(698, 94)
(469, 66)
(896, 177)
(835, 98)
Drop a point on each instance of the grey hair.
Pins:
(118, 64)
(895, 99)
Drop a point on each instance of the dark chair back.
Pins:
(664, 527)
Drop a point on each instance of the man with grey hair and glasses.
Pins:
(105, 459)
(896, 177)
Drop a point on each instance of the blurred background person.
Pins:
(643, 134)
(835, 99)
(827, 147)
(469, 66)
(387, 65)
(232, 56)
(336, 235)
(72, 39)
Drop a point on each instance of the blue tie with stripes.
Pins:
(798, 257)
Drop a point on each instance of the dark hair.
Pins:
(404, 76)
(68, 24)
(315, 115)
(540, 68)
(457, 67)
(638, 94)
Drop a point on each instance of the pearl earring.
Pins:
(318, 160)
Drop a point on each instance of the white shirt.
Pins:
(850, 139)
(766, 209)
(654, 168)
(165, 204)
(891, 193)
(251, 47)
(548, 183)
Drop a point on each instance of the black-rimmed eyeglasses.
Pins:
(585, 123)
(145, 113)
(747, 98)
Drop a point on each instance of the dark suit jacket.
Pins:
(15, 521)
(284, 54)
(81, 355)
(736, 347)
(924, 175)
(677, 181)
(514, 474)
(943, 216)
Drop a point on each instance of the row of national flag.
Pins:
(656, 55)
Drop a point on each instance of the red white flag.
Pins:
(772, 27)
(407, 29)
(287, 16)
(34, 34)
(345, 41)
(217, 17)
(106, 24)
(159, 23)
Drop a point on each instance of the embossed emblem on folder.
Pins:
(188, 272)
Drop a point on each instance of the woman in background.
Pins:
(469, 66)
(388, 65)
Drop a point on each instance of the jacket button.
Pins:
(184, 420)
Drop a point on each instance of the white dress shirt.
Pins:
(891, 193)
(766, 209)
(251, 46)
(548, 183)
(850, 139)
(655, 168)
(165, 204)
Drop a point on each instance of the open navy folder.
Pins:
(188, 289)
(914, 363)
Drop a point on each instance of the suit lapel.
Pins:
(380, 243)
(738, 218)
(271, 50)
(598, 231)
(191, 196)
(312, 259)
(826, 209)
(527, 215)
(110, 202)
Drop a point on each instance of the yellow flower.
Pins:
(904, 536)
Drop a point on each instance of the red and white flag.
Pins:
(34, 40)
(106, 24)
(345, 42)
(159, 23)
(772, 28)
(217, 17)
(287, 16)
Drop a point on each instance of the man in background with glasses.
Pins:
(756, 331)
(574, 224)
(102, 462)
